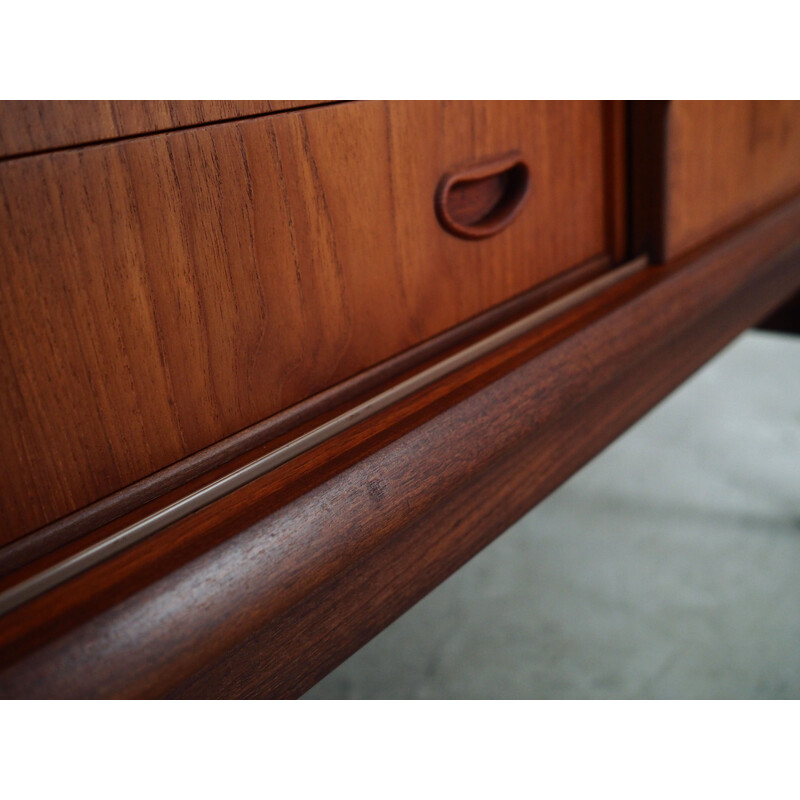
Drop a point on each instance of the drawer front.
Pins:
(162, 293)
(31, 125)
(725, 161)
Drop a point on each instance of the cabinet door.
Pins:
(165, 292)
(703, 167)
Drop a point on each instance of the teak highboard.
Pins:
(272, 370)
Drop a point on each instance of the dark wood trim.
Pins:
(262, 593)
(616, 169)
(786, 319)
(648, 122)
(417, 558)
(207, 465)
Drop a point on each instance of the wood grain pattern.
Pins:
(196, 470)
(708, 166)
(266, 590)
(29, 126)
(484, 199)
(163, 293)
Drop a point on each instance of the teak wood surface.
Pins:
(262, 593)
(197, 470)
(165, 292)
(176, 304)
(30, 126)
(703, 167)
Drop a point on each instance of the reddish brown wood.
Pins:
(166, 292)
(199, 468)
(291, 654)
(703, 167)
(483, 199)
(29, 126)
(263, 592)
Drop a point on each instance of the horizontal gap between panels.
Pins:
(159, 131)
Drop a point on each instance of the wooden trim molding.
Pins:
(263, 592)
(230, 453)
(119, 540)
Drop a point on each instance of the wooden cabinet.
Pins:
(704, 167)
(269, 372)
(165, 292)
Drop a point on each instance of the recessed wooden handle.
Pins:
(481, 200)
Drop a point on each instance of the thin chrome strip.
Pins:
(52, 576)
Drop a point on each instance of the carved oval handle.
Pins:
(480, 200)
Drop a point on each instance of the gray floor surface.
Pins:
(669, 567)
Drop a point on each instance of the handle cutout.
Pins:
(481, 200)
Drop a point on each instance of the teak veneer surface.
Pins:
(152, 290)
(201, 467)
(714, 164)
(164, 292)
(28, 126)
(264, 591)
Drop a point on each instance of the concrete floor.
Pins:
(669, 567)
